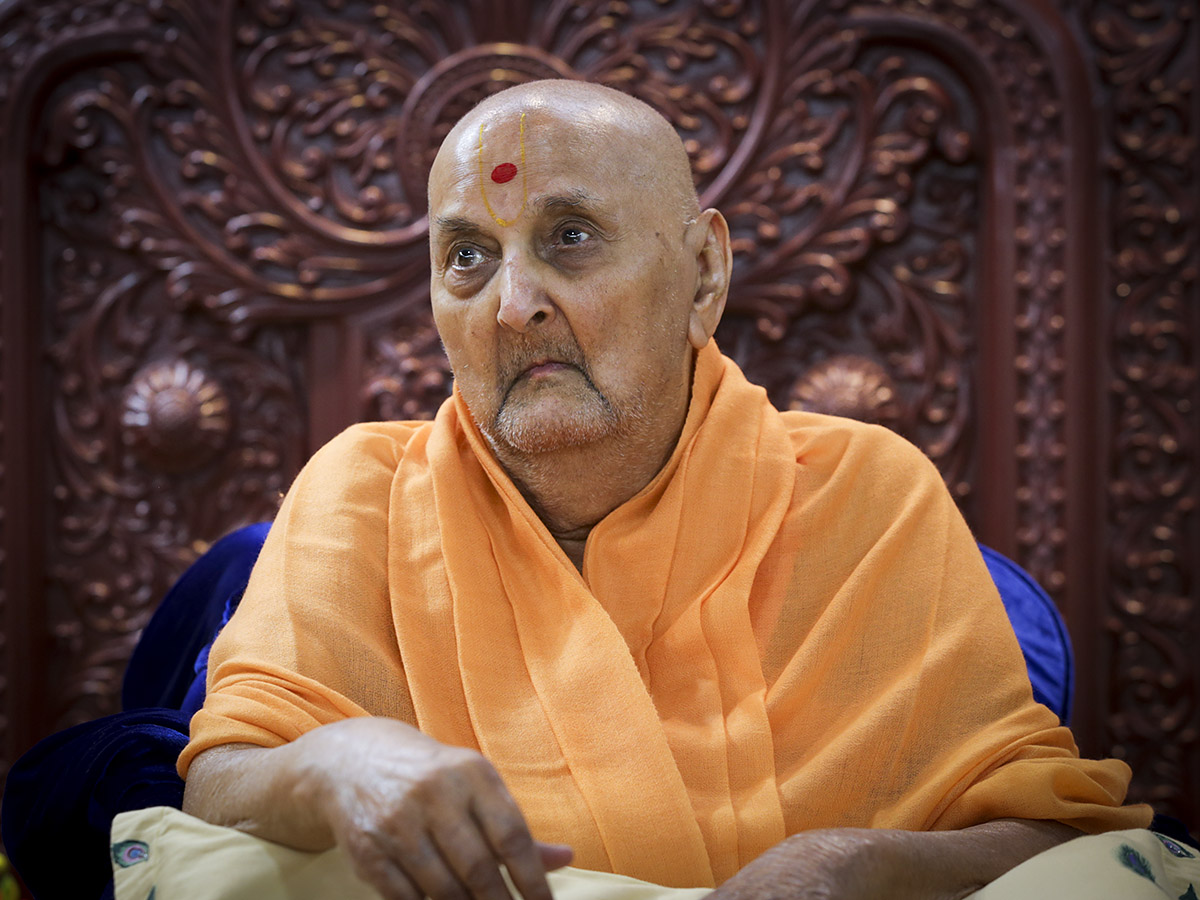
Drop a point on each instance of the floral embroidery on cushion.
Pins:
(1175, 849)
(1134, 861)
(130, 853)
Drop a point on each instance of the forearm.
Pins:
(292, 794)
(953, 864)
(865, 863)
(268, 793)
(416, 818)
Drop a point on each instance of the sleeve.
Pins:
(907, 703)
(313, 640)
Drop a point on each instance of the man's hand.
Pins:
(415, 817)
(882, 864)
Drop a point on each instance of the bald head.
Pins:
(572, 274)
(640, 144)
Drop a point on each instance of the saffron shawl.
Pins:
(790, 627)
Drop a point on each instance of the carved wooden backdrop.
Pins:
(972, 220)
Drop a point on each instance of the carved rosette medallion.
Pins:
(848, 386)
(176, 417)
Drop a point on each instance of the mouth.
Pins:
(538, 371)
(533, 366)
(541, 368)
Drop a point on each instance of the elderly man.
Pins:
(610, 601)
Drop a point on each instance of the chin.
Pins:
(548, 427)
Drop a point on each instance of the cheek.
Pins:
(639, 342)
(459, 334)
(469, 346)
(656, 312)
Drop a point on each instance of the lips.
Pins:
(544, 367)
(530, 364)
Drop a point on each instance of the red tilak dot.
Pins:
(504, 172)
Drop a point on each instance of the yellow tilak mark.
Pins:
(504, 223)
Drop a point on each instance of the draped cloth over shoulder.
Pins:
(790, 627)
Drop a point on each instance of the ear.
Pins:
(714, 265)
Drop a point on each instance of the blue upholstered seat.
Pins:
(173, 648)
(1040, 631)
(65, 792)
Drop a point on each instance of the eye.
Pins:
(573, 234)
(466, 257)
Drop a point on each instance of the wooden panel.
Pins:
(973, 221)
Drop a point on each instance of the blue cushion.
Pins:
(61, 796)
(67, 789)
(162, 670)
(1040, 632)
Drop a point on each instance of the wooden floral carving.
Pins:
(212, 257)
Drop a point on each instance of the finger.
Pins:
(425, 867)
(395, 885)
(554, 856)
(506, 833)
(373, 866)
(471, 859)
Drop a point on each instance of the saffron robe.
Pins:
(790, 627)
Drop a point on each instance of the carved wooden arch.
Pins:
(920, 190)
(1038, 412)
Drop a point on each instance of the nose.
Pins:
(524, 302)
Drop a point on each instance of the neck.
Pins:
(574, 488)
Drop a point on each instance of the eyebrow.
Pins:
(455, 225)
(572, 201)
(577, 199)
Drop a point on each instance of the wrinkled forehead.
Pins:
(583, 148)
